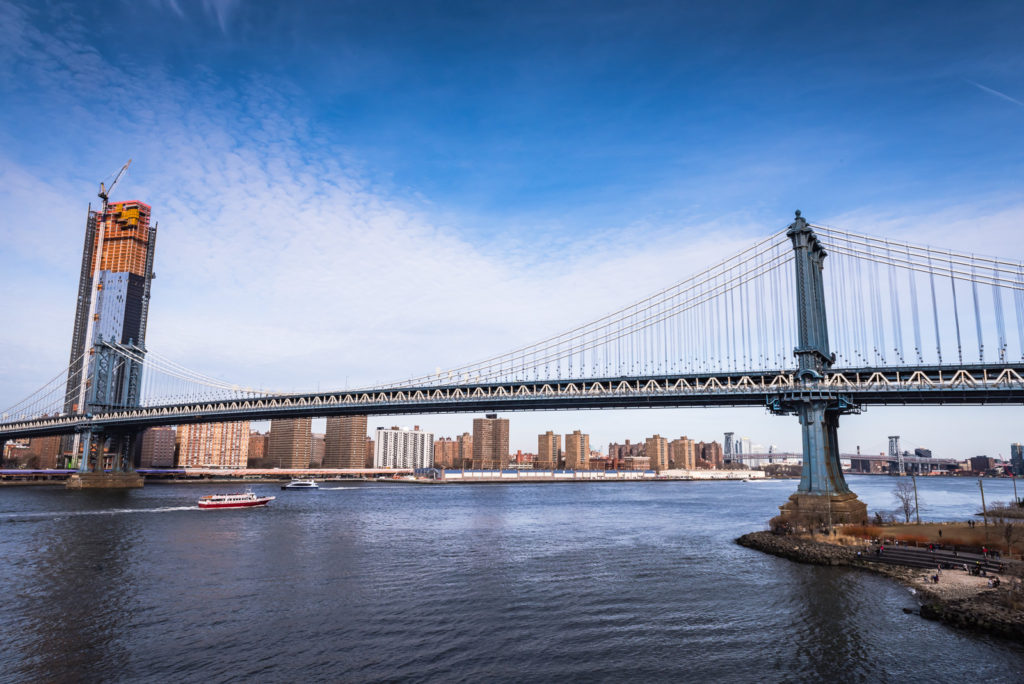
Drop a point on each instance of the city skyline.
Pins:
(258, 214)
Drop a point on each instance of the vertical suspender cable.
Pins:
(977, 312)
(912, 276)
(876, 315)
(935, 308)
(836, 325)
(894, 306)
(1018, 300)
(956, 314)
(997, 303)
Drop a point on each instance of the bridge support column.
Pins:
(84, 465)
(91, 473)
(823, 496)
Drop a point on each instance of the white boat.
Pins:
(301, 484)
(247, 500)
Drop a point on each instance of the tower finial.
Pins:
(798, 213)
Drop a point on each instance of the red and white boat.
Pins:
(247, 500)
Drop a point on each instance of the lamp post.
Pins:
(917, 508)
(984, 511)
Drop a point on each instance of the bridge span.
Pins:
(889, 324)
(910, 386)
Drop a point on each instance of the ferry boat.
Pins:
(247, 500)
(301, 484)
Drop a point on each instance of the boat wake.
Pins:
(29, 516)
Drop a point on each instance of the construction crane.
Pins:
(105, 192)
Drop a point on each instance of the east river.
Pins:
(478, 583)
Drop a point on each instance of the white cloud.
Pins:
(280, 265)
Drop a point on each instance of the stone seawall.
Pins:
(984, 610)
(798, 549)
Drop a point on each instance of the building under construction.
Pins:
(122, 297)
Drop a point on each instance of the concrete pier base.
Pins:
(130, 480)
(811, 509)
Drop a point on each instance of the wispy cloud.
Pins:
(993, 91)
(222, 10)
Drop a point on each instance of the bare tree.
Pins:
(1012, 532)
(904, 494)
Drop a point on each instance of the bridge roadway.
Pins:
(962, 384)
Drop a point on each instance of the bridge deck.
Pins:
(908, 386)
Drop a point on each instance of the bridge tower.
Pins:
(823, 493)
(896, 455)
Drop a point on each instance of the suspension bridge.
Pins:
(885, 323)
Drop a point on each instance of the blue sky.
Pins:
(338, 184)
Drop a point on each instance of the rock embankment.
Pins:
(798, 549)
(993, 611)
(989, 611)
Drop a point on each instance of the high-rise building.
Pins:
(122, 296)
(621, 452)
(1017, 459)
(404, 448)
(549, 451)
(982, 464)
(158, 447)
(346, 442)
(42, 452)
(490, 442)
(577, 451)
(656, 449)
(465, 451)
(317, 449)
(371, 451)
(290, 443)
(709, 454)
(446, 452)
(212, 445)
(257, 449)
(681, 453)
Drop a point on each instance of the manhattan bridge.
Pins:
(812, 321)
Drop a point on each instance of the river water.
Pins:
(525, 583)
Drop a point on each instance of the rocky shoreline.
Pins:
(978, 608)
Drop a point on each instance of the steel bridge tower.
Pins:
(896, 455)
(823, 494)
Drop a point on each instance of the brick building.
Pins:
(490, 442)
(212, 445)
(290, 441)
(345, 442)
(158, 447)
(549, 451)
(577, 451)
(656, 450)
